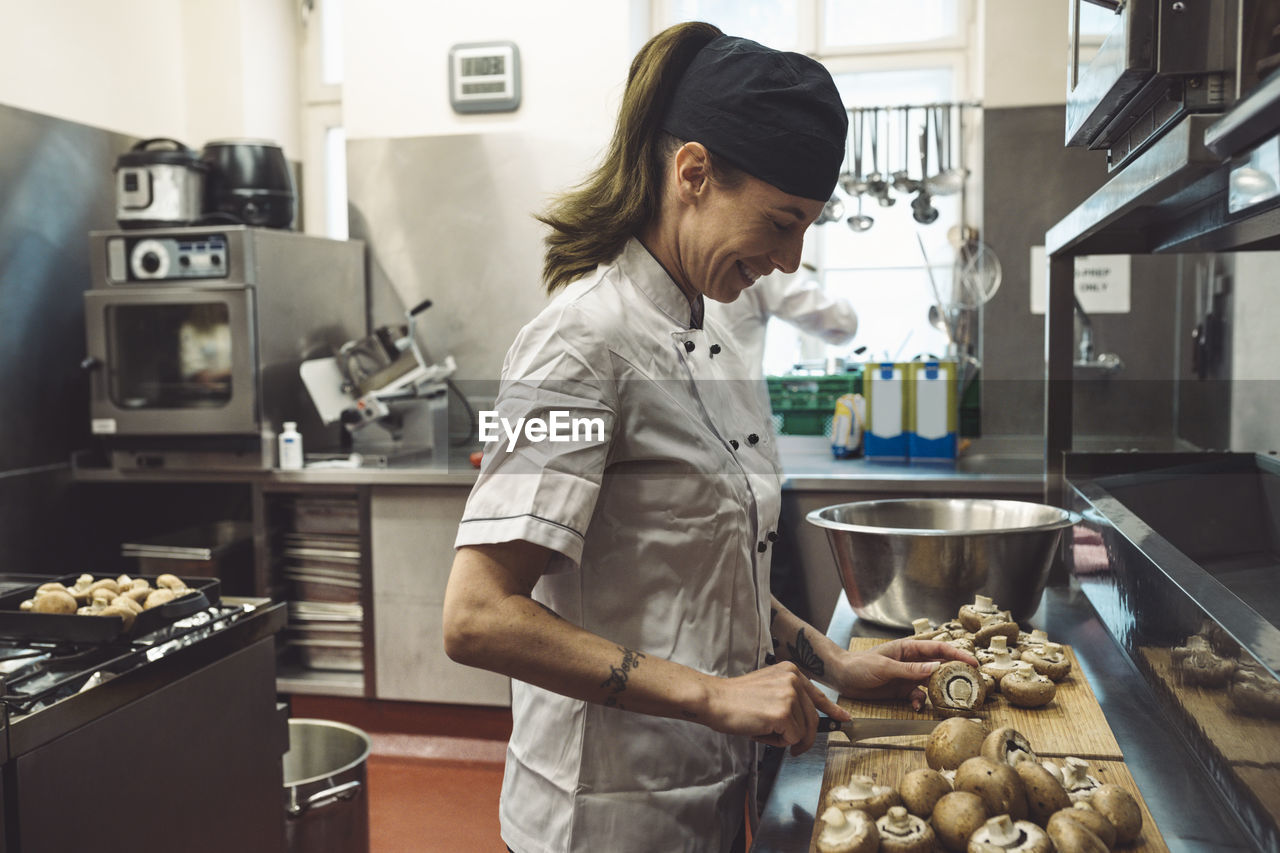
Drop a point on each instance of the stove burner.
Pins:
(36, 675)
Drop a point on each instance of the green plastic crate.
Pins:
(804, 405)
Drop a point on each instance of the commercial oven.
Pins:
(1162, 60)
(194, 337)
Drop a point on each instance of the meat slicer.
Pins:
(382, 389)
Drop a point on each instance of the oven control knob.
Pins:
(149, 259)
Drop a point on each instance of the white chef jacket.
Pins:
(802, 303)
(663, 532)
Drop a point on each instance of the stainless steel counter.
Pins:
(989, 466)
(1189, 815)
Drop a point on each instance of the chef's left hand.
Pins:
(896, 669)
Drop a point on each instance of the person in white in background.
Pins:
(795, 298)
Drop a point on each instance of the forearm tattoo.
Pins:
(618, 676)
(803, 655)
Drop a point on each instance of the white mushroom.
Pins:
(1076, 779)
(1000, 833)
(847, 832)
(903, 832)
(863, 793)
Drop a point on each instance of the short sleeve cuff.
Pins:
(529, 528)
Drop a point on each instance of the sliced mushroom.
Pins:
(1077, 780)
(863, 793)
(998, 785)
(1049, 659)
(971, 616)
(1000, 834)
(1121, 808)
(921, 789)
(1045, 794)
(1027, 688)
(953, 742)
(847, 832)
(955, 688)
(1007, 745)
(1092, 819)
(903, 832)
(956, 817)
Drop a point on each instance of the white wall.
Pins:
(190, 69)
(1023, 51)
(574, 58)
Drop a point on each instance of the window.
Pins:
(325, 180)
(909, 52)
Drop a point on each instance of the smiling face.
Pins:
(721, 235)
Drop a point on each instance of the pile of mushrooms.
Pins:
(1023, 667)
(123, 596)
(983, 792)
(1211, 659)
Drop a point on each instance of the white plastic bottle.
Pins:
(290, 446)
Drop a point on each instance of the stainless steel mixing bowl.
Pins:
(903, 559)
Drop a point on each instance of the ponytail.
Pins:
(591, 223)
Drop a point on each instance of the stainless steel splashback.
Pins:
(55, 185)
(451, 219)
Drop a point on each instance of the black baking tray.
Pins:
(19, 624)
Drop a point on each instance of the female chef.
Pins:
(619, 572)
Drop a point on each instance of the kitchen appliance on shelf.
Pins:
(159, 183)
(194, 337)
(1162, 61)
(250, 183)
(386, 393)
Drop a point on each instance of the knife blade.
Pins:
(866, 728)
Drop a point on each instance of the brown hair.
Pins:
(591, 223)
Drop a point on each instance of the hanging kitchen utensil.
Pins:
(883, 196)
(922, 209)
(949, 178)
(860, 221)
(902, 180)
(832, 211)
(937, 294)
(977, 273)
(856, 183)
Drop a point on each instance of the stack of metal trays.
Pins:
(327, 635)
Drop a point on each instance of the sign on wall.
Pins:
(1102, 282)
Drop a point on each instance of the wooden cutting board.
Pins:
(888, 766)
(1264, 783)
(1072, 724)
(1238, 738)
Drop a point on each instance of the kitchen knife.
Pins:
(865, 728)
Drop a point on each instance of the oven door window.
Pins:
(170, 356)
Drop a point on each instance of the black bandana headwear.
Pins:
(774, 115)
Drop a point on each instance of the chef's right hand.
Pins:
(776, 705)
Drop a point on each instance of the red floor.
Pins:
(434, 773)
